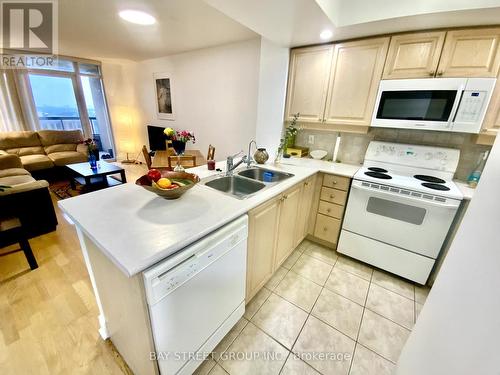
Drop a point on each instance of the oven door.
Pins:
(418, 103)
(413, 223)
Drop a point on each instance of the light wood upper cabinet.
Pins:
(262, 234)
(470, 53)
(492, 118)
(355, 74)
(306, 198)
(308, 83)
(414, 55)
(287, 224)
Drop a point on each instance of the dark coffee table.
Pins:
(95, 179)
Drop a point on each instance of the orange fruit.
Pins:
(164, 183)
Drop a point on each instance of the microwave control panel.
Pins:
(471, 106)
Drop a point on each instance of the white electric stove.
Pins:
(401, 206)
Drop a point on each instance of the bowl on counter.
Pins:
(187, 179)
(318, 154)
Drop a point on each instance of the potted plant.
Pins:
(288, 138)
(179, 140)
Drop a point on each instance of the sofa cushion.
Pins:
(14, 140)
(2, 152)
(60, 147)
(54, 137)
(67, 157)
(13, 172)
(36, 162)
(16, 180)
(23, 151)
(10, 161)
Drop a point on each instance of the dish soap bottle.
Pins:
(474, 177)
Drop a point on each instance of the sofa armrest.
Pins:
(21, 188)
(10, 161)
(2, 152)
(83, 149)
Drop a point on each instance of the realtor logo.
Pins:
(29, 27)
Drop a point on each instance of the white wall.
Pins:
(271, 96)
(458, 329)
(214, 93)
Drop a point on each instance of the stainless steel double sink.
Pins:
(247, 182)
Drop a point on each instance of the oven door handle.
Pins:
(428, 202)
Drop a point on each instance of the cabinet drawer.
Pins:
(327, 228)
(333, 195)
(330, 209)
(337, 182)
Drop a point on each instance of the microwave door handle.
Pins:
(413, 199)
(456, 104)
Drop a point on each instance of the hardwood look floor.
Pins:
(48, 317)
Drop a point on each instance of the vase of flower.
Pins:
(92, 161)
(179, 140)
(92, 152)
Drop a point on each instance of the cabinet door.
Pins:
(414, 55)
(327, 228)
(287, 224)
(308, 83)
(262, 232)
(355, 76)
(306, 197)
(470, 53)
(492, 118)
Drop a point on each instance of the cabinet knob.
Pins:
(334, 182)
(285, 196)
(325, 229)
(306, 183)
(328, 210)
(431, 73)
(440, 73)
(332, 196)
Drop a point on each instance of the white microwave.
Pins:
(446, 104)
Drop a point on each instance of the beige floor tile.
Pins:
(294, 366)
(280, 319)
(391, 305)
(366, 362)
(353, 266)
(276, 278)
(217, 370)
(207, 365)
(339, 312)
(383, 336)
(256, 303)
(303, 246)
(229, 338)
(418, 308)
(348, 285)
(317, 337)
(298, 290)
(394, 283)
(312, 269)
(247, 354)
(292, 258)
(322, 253)
(421, 293)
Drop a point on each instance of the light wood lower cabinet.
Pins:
(327, 228)
(262, 236)
(306, 199)
(287, 224)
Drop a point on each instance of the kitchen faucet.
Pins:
(249, 157)
(229, 162)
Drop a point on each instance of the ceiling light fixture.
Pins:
(137, 17)
(326, 34)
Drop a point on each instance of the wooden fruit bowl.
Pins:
(145, 182)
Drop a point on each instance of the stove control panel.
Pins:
(416, 156)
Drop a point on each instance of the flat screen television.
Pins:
(156, 138)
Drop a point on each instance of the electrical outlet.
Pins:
(311, 139)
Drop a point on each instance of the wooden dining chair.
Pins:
(11, 232)
(189, 159)
(147, 157)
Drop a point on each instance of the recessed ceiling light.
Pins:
(326, 34)
(138, 17)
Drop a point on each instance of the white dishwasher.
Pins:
(196, 296)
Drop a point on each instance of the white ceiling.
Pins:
(92, 28)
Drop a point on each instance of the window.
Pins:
(71, 96)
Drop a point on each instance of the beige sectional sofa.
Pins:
(44, 149)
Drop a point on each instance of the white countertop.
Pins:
(466, 190)
(135, 228)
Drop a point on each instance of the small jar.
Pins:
(211, 165)
(261, 156)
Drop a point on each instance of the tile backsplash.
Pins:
(353, 146)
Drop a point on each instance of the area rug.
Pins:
(63, 190)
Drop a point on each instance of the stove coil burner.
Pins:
(432, 179)
(382, 176)
(435, 186)
(377, 169)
